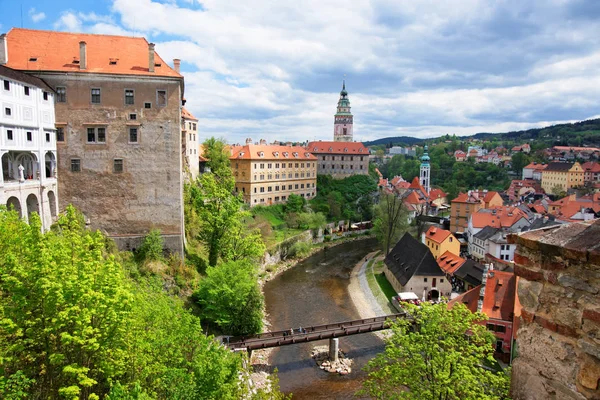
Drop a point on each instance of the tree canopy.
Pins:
(391, 220)
(437, 355)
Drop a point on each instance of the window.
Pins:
(95, 96)
(61, 94)
(6, 85)
(133, 116)
(296, 186)
(147, 105)
(302, 186)
(161, 98)
(277, 188)
(133, 135)
(296, 165)
(289, 187)
(254, 190)
(48, 137)
(129, 98)
(26, 89)
(96, 135)
(424, 279)
(270, 189)
(262, 166)
(276, 165)
(9, 134)
(7, 111)
(75, 165)
(118, 165)
(262, 189)
(29, 137)
(441, 281)
(46, 96)
(60, 134)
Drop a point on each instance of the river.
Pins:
(316, 292)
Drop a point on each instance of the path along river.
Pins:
(316, 292)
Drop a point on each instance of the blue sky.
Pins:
(272, 69)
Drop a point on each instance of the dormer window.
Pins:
(286, 154)
(295, 154)
(241, 154)
(32, 59)
(276, 154)
(261, 153)
(345, 149)
(315, 149)
(360, 150)
(307, 155)
(331, 149)
(76, 61)
(113, 61)
(158, 65)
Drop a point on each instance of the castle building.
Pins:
(189, 138)
(27, 146)
(425, 171)
(340, 159)
(267, 174)
(343, 119)
(118, 129)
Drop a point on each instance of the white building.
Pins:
(27, 146)
(189, 132)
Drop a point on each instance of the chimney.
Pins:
(484, 277)
(176, 64)
(3, 49)
(82, 55)
(151, 57)
(263, 141)
(249, 141)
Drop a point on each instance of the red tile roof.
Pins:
(503, 217)
(436, 234)
(536, 166)
(187, 115)
(469, 299)
(575, 149)
(56, 51)
(499, 297)
(271, 152)
(450, 262)
(475, 197)
(352, 148)
(437, 194)
(591, 166)
(413, 198)
(415, 184)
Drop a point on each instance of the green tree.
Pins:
(152, 247)
(437, 355)
(218, 211)
(214, 150)
(519, 161)
(241, 243)
(295, 203)
(391, 220)
(64, 308)
(558, 191)
(229, 296)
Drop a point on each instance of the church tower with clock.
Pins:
(342, 125)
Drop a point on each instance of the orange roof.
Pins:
(414, 198)
(573, 148)
(436, 194)
(415, 184)
(187, 115)
(591, 166)
(500, 217)
(57, 51)
(536, 166)
(397, 179)
(499, 297)
(338, 148)
(469, 299)
(437, 235)
(271, 152)
(450, 262)
(476, 197)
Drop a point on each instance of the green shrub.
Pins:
(299, 250)
(152, 247)
(327, 238)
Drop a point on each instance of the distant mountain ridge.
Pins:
(577, 133)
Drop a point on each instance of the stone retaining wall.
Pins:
(559, 335)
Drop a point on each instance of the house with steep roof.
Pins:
(508, 218)
(340, 159)
(410, 267)
(460, 156)
(268, 174)
(479, 245)
(572, 208)
(118, 129)
(534, 170)
(519, 189)
(496, 298)
(440, 240)
(465, 204)
(463, 274)
(591, 172)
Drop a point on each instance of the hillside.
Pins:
(574, 134)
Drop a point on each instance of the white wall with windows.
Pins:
(27, 147)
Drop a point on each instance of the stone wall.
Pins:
(558, 339)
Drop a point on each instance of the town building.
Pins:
(511, 219)
(572, 208)
(406, 151)
(525, 148)
(340, 159)
(460, 156)
(496, 297)
(591, 171)
(464, 274)
(563, 175)
(534, 171)
(410, 267)
(440, 240)
(267, 174)
(465, 204)
(425, 171)
(343, 122)
(520, 189)
(564, 153)
(189, 139)
(27, 146)
(118, 129)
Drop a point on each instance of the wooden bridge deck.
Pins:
(311, 333)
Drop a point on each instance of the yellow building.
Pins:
(440, 240)
(466, 204)
(268, 174)
(562, 174)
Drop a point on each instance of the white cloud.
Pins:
(36, 16)
(422, 67)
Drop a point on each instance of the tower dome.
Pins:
(425, 158)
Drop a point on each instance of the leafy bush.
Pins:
(327, 238)
(299, 249)
(152, 247)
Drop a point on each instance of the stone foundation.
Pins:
(559, 335)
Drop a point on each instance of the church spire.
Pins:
(343, 119)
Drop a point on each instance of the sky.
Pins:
(273, 69)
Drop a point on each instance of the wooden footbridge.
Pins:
(311, 333)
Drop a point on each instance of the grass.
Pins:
(385, 286)
(372, 272)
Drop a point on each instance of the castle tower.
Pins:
(342, 124)
(425, 171)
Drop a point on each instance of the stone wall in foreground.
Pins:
(559, 335)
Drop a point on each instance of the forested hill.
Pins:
(574, 134)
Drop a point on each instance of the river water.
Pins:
(315, 292)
